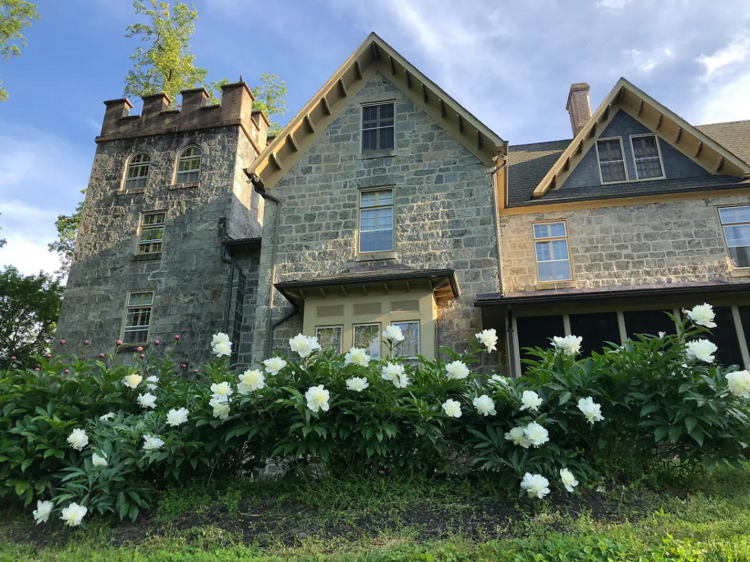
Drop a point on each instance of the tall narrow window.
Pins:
(647, 157)
(611, 160)
(736, 224)
(378, 127)
(152, 233)
(410, 345)
(376, 221)
(367, 337)
(552, 258)
(189, 165)
(329, 337)
(137, 174)
(137, 317)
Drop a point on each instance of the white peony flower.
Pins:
(485, 405)
(394, 333)
(108, 416)
(739, 383)
(220, 345)
(357, 356)
(518, 436)
(73, 514)
(78, 439)
(152, 382)
(250, 381)
(221, 408)
(536, 434)
(452, 408)
(536, 485)
(317, 398)
(152, 443)
(132, 381)
(456, 370)
(569, 345)
(488, 338)
(147, 400)
(304, 345)
(42, 511)
(661, 335)
(274, 365)
(701, 349)
(357, 384)
(392, 372)
(568, 480)
(531, 401)
(96, 460)
(703, 315)
(177, 417)
(497, 379)
(590, 409)
(222, 390)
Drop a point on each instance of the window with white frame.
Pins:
(647, 157)
(137, 317)
(367, 337)
(410, 346)
(189, 165)
(376, 221)
(152, 233)
(137, 173)
(329, 337)
(378, 131)
(611, 160)
(736, 224)
(552, 257)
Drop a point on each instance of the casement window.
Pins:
(410, 346)
(611, 160)
(376, 221)
(378, 127)
(552, 256)
(736, 224)
(137, 317)
(367, 337)
(189, 165)
(152, 233)
(647, 157)
(137, 173)
(329, 337)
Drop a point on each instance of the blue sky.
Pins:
(509, 63)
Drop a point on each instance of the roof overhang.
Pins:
(669, 126)
(442, 283)
(371, 56)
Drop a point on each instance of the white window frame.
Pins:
(180, 157)
(129, 308)
(550, 239)
(635, 160)
(724, 232)
(131, 164)
(362, 127)
(143, 244)
(624, 160)
(329, 326)
(360, 208)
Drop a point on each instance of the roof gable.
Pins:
(372, 56)
(668, 126)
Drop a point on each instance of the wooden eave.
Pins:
(667, 125)
(373, 55)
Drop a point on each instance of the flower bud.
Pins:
(139, 349)
(86, 342)
(62, 342)
(143, 356)
(119, 342)
(67, 370)
(101, 356)
(156, 342)
(177, 337)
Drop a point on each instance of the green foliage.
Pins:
(29, 307)
(67, 230)
(270, 98)
(14, 16)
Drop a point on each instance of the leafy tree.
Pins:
(270, 97)
(67, 230)
(29, 307)
(14, 16)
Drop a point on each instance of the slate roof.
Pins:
(529, 163)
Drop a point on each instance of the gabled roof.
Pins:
(688, 139)
(371, 56)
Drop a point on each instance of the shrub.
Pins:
(105, 436)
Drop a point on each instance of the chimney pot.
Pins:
(578, 106)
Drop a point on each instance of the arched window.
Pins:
(138, 171)
(189, 165)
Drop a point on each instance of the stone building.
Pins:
(384, 201)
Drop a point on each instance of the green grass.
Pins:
(379, 520)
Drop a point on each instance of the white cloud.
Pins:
(728, 102)
(646, 61)
(725, 83)
(28, 230)
(613, 5)
(736, 52)
(29, 255)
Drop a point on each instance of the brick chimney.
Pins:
(578, 106)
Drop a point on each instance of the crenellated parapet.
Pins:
(236, 109)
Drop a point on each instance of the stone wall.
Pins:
(443, 213)
(673, 242)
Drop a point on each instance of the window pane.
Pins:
(554, 271)
(559, 249)
(369, 140)
(329, 338)
(543, 251)
(738, 235)
(367, 199)
(386, 138)
(613, 171)
(410, 345)
(138, 299)
(367, 336)
(385, 197)
(648, 322)
(740, 256)
(595, 329)
(745, 319)
(536, 331)
(609, 150)
(376, 241)
(645, 147)
(549, 230)
(378, 127)
(731, 215)
(724, 335)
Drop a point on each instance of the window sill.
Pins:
(552, 285)
(377, 154)
(132, 347)
(739, 272)
(146, 257)
(184, 185)
(132, 191)
(375, 256)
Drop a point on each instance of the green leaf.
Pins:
(648, 408)
(690, 423)
(674, 433)
(660, 433)
(565, 397)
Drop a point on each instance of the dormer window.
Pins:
(611, 160)
(137, 174)
(189, 165)
(647, 156)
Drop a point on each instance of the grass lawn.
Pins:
(378, 520)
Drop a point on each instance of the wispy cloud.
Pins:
(613, 5)
(736, 52)
(725, 83)
(645, 62)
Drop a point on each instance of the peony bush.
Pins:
(83, 435)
